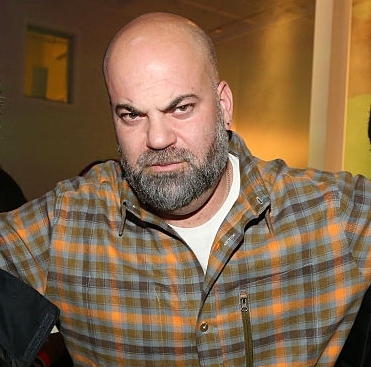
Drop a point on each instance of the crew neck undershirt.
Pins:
(200, 239)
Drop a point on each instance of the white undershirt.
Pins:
(200, 239)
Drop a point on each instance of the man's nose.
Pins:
(160, 133)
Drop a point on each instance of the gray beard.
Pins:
(169, 191)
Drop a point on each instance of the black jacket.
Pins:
(26, 319)
(357, 348)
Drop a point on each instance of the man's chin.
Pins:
(165, 201)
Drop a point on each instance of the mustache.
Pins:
(163, 157)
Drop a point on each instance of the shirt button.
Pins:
(204, 327)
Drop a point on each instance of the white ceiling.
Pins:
(222, 19)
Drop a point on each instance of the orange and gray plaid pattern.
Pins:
(296, 246)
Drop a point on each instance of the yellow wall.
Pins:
(270, 73)
(357, 154)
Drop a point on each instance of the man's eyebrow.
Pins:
(175, 102)
(171, 106)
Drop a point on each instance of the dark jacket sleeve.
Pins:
(357, 348)
(26, 319)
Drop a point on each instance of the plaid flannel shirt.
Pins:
(285, 278)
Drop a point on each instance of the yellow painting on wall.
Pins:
(48, 66)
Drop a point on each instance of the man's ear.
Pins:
(226, 103)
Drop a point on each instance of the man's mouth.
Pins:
(165, 167)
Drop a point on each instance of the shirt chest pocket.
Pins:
(285, 312)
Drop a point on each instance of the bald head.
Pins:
(162, 32)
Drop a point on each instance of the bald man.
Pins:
(191, 251)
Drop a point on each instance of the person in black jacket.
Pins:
(29, 316)
(11, 195)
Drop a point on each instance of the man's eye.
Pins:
(132, 115)
(129, 116)
(185, 107)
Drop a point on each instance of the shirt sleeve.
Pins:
(25, 237)
(355, 212)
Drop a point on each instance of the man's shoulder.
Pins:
(101, 179)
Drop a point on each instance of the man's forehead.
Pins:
(157, 77)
